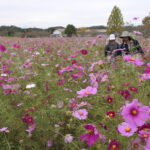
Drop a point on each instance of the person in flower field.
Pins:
(110, 47)
(130, 45)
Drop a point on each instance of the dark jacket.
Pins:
(110, 47)
(133, 48)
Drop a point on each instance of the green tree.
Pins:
(115, 22)
(70, 30)
(146, 23)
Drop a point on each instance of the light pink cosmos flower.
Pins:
(137, 32)
(76, 75)
(79, 66)
(68, 138)
(100, 62)
(66, 69)
(135, 144)
(7, 86)
(93, 81)
(4, 129)
(147, 147)
(49, 143)
(86, 92)
(30, 129)
(126, 129)
(135, 18)
(103, 76)
(80, 114)
(144, 77)
(135, 114)
(136, 61)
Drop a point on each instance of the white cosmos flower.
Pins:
(31, 85)
(3, 75)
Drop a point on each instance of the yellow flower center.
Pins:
(145, 135)
(132, 59)
(81, 113)
(135, 145)
(111, 114)
(109, 100)
(134, 112)
(114, 146)
(128, 129)
(87, 92)
(90, 131)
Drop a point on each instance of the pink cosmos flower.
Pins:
(135, 114)
(88, 91)
(49, 143)
(137, 32)
(144, 134)
(7, 86)
(60, 82)
(136, 61)
(80, 114)
(68, 138)
(93, 80)
(135, 144)
(30, 129)
(16, 46)
(103, 76)
(147, 147)
(4, 129)
(144, 77)
(91, 136)
(66, 69)
(77, 75)
(135, 18)
(79, 66)
(147, 70)
(100, 62)
(126, 129)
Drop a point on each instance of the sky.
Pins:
(80, 13)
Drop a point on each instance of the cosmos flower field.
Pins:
(62, 94)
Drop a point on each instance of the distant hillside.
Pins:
(15, 31)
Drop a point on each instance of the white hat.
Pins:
(112, 37)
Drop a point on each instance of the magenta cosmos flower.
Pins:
(133, 89)
(83, 51)
(88, 91)
(91, 136)
(125, 93)
(135, 114)
(126, 129)
(114, 145)
(80, 114)
(2, 48)
(28, 119)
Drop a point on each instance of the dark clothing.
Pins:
(110, 47)
(132, 48)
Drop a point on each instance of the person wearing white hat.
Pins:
(111, 46)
